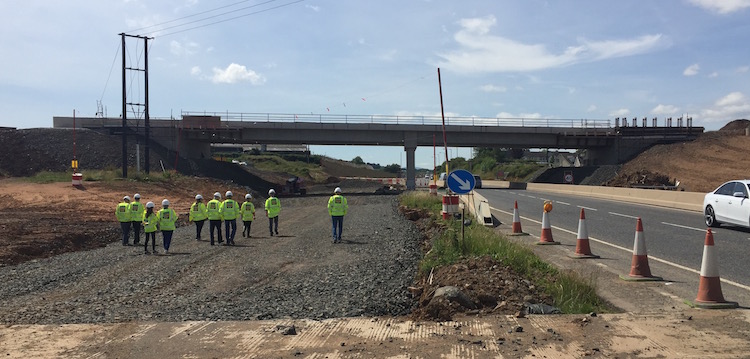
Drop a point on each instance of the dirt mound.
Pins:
(640, 178)
(699, 166)
(339, 168)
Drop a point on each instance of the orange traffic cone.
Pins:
(546, 237)
(583, 249)
(517, 231)
(639, 269)
(709, 289)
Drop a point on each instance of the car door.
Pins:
(720, 201)
(739, 207)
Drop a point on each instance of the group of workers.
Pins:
(134, 215)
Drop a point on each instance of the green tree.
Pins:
(392, 168)
(358, 161)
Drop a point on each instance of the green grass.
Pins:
(50, 177)
(100, 176)
(273, 163)
(570, 292)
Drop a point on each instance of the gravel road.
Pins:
(299, 274)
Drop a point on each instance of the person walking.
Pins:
(167, 218)
(337, 208)
(198, 214)
(214, 216)
(273, 207)
(136, 216)
(230, 210)
(122, 212)
(247, 212)
(150, 222)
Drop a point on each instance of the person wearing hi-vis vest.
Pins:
(122, 212)
(136, 217)
(273, 207)
(150, 221)
(213, 209)
(247, 212)
(337, 208)
(229, 212)
(198, 214)
(167, 218)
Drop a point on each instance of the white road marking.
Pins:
(561, 202)
(588, 208)
(530, 196)
(623, 215)
(681, 226)
(629, 250)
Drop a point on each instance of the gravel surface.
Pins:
(299, 274)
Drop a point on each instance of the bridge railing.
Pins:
(403, 120)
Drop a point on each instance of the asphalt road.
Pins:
(674, 238)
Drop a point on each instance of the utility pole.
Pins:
(125, 103)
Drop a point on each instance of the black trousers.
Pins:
(151, 235)
(215, 224)
(246, 227)
(136, 231)
(273, 223)
(199, 228)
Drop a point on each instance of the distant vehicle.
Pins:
(243, 163)
(442, 176)
(477, 182)
(293, 186)
(728, 204)
(235, 161)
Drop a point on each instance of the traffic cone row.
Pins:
(709, 289)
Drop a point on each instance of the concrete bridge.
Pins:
(195, 132)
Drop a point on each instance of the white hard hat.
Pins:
(248, 196)
(126, 198)
(337, 190)
(137, 196)
(197, 196)
(217, 195)
(271, 192)
(228, 194)
(150, 205)
(165, 202)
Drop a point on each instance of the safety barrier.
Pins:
(478, 207)
(420, 182)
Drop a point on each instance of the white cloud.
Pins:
(591, 108)
(722, 6)
(713, 75)
(236, 73)
(664, 110)
(535, 115)
(195, 71)
(730, 107)
(619, 112)
(313, 7)
(743, 69)
(179, 49)
(691, 70)
(389, 55)
(482, 52)
(493, 88)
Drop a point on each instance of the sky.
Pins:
(592, 59)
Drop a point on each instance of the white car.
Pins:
(728, 204)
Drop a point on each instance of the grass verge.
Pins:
(571, 292)
(100, 176)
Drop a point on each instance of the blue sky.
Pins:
(526, 58)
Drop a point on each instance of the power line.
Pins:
(194, 15)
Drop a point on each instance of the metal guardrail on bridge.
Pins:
(403, 120)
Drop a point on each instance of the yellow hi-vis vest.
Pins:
(198, 212)
(247, 211)
(122, 212)
(167, 217)
(136, 211)
(273, 207)
(213, 208)
(337, 205)
(229, 209)
(150, 222)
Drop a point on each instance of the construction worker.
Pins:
(150, 222)
(136, 212)
(122, 212)
(214, 216)
(337, 208)
(167, 218)
(273, 207)
(247, 212)
(198, 214)
(230, 210)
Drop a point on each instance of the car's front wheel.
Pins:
(710, 217)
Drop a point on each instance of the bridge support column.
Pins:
(411, 168)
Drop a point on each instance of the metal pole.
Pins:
(442, 113)
(124, 115)
(147, 159)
